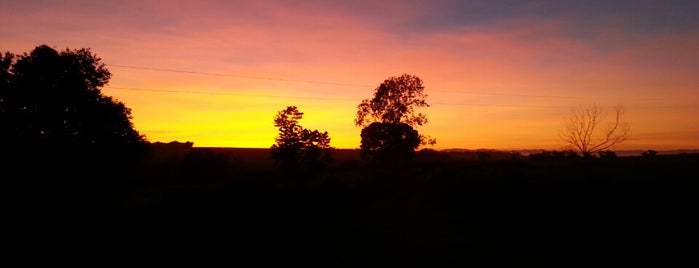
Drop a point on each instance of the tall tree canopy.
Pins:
(50, 97)
(394, 102)
(388, 119)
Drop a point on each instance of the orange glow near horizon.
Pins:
(500, 81)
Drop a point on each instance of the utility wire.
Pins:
(314, 98)
(225, 93)
(240, 76)
(356, 85)
(346, 99)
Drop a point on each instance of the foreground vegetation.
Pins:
(194, 207)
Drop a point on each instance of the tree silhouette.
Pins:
(394, 102)
(65, 145)
(388, 118)
(50, 98)
(297, 148)
(582, 133)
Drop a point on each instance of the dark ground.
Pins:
(206, 208)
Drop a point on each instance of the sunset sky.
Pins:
(498, 74)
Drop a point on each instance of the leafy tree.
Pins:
(297, 148)
(61, 137)
(288, 142)
(50, 98)
(389, 117)
(582, 133)
(394, 102)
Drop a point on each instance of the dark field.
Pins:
(206, 207)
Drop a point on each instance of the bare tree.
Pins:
(582, 132)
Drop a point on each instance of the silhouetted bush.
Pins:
(554, 155)
(649, 154)
(606, 155)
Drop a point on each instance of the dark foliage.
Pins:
(555, 155)
(297, 148)
(387, 142)
(53, 98)
(606, 155)
(61, 136)
(394, 102)
(649, 154)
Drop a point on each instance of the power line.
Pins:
(499, 105)
(507, 94)
(314, 98)
(346, 99)
(224, 93)
(359, 85)
(240, 76)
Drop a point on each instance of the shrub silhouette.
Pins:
(649, 154)
(607, 155)
(554, 155)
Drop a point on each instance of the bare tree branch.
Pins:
(580, 130)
